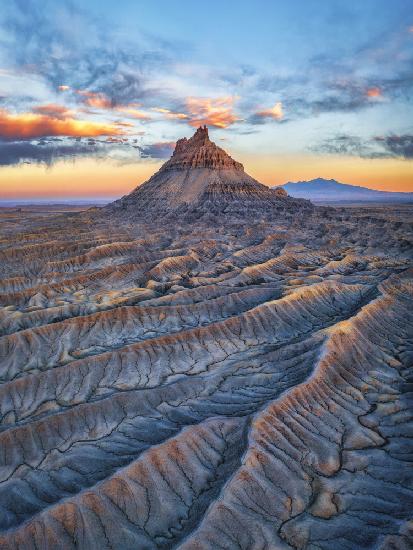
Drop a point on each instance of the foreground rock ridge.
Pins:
(201, 181)
(243, 384)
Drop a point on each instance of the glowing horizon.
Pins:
(57, 182)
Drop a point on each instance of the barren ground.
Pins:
(206, 386)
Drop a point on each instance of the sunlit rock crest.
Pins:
(200, 152)
(201, 180)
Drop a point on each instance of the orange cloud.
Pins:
(134, 113)
(53, 110)
(275, 112)
(63, 88)
(216, 112)
(170, 114)
(96, 100)
(374, 92)
(38, 124)
(101, 101)
(179, 116)
(123, 123)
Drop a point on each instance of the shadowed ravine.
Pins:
(206, 384)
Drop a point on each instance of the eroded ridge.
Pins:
(203, 386)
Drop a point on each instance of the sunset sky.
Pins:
(93, 95)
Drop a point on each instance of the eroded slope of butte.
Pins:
(235, 386)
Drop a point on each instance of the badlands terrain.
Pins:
(206, 364)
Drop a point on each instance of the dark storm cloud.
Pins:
(317, 98)
(47, 151)
(44, 152)
(346, 83)
(256, 119)
(346, 102)
(398, 146)
(346, 94)
(356, 93)
(346, 145)
(160, 150)
(123, 87)
(50, 150)
(391, 146)
(38, 40)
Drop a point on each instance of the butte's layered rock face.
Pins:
(244, 384)
(201, 180)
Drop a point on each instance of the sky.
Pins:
(94, 95)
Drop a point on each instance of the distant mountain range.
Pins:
(322, 190)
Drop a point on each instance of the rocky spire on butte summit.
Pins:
(200, 152)
(200, 180)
